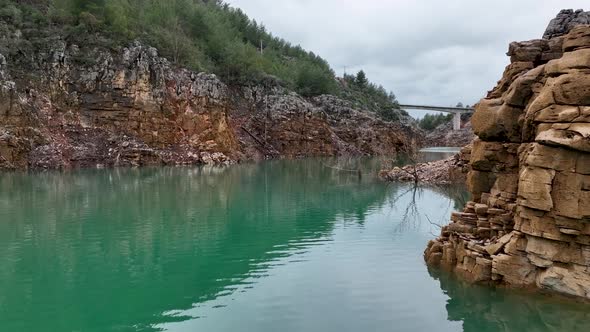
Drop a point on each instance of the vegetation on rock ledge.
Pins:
(202, 35)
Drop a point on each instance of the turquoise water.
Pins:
(444, 150)
(437, 153)
(275, 246)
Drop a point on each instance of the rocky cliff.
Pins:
(64, 105)
(529, 222)
(444, 136)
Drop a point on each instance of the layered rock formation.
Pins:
(284, 124)
(130, 108)
(529, 222)
(65, 106)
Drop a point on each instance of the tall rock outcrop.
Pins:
(65, 106)
(126, 108)
(529, 222)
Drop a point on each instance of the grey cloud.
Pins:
(425, 51)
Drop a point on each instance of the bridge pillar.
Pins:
(457, 121)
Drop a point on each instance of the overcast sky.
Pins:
(425, 51)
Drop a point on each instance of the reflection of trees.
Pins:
(124, 246)
(404, 197)
(403, 201)
(483, 309)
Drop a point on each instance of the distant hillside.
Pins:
(202, 35)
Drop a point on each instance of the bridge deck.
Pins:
(454, 110)
(438, 108)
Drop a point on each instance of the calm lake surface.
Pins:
(437, 153)
(275, 246)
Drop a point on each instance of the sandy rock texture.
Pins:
(529, 222)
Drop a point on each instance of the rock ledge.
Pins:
(529, 173)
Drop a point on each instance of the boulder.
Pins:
(543, 156)
(578, 59)
(583, 164)
(511, 72)
(515, 270)
(521, 90)
(578, 37)
(495, 121)
(480, 182)
(528, 51)
(534, 188)
(563, 113)
(572, 88)
(558, 251)
(565, 21)
(496, 247)
(574, 136)
(494, 156)
(574, 281)
(571, 195)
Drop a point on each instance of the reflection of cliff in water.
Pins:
(483, 309)
(458, 193)
(162, 238)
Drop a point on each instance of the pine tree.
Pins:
(361, 79)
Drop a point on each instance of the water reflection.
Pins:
(437, 153)
(483, 309)
(98, 244)
(283, 245)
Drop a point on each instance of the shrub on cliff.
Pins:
(431, 121)
(313, 80)
(203, 35)
(11, 14)
(368, 96)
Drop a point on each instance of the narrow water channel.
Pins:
(276, 246)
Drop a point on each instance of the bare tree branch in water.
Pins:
(409, 160)
(411, 213)
(441, 222)
(439, 226)
(411, 210)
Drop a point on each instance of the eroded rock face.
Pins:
(131, 107)
(529, 223)
(565, 21)
(288, 125)
(128, 109)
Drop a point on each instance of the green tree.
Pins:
(361, 79)
(431, 121)
(203, 35)
(313, 81)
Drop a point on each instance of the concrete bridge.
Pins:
(454, 110)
